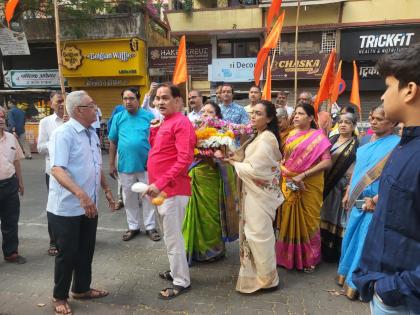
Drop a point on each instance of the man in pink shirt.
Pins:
(172, 152)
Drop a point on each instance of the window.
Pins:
(328, 41)
(238, 48)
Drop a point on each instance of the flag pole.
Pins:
(296, 50)
(58, 49)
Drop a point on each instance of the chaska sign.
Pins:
(370, 44)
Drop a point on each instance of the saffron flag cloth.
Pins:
(270, 43)
(327, 82)
(10, 10)
(266, 95)
(336, 86)
(272, 13)
(354, 95)
(180, 72)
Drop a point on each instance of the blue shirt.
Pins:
(77, 150)
(130, 132)
(117, 109)
(16, 120)
(390, 259)
(234, 113)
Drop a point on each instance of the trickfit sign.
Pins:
(370, 44)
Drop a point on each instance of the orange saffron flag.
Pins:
(272, 12)
(270, 43)
(327, 82)
(180, 72)
(266, 95)
(354, 95)
(336, 86)
(10, 10)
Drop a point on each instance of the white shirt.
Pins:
(10, 152)
(97, 123)
(192, 116)
(289, 110)
(154, 110)
(46, 127)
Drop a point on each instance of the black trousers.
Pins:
(75, 239)
(9, 214)
(52, 241)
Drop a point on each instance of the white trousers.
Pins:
(131, 202)
(24, 145)
(172, 213)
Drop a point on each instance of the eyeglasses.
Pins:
(92, 106)
(125, 99)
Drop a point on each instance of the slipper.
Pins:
(153, 235)
(130, 234)
(61, 307)
(166, 275)
(309, 269)
(52, 251)
(89, 295)
(119, 205)
(173, 292)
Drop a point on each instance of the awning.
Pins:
(294, 3)
(26, 91)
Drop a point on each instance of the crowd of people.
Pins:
(300, 187)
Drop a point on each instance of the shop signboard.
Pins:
(32, 78)
(104, 58)
(372, 43)
(162, 60)
(308, 66)
(232, 70)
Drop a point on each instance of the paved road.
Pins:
(129, 271)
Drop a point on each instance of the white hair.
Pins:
(73, 100)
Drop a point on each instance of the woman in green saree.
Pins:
(211, 217)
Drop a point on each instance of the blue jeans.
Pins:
(379, 308)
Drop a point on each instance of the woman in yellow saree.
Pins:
(306, 158)
(257, 168)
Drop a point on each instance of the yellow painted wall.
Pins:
(313, 15)
(241, 18)
(380, 10)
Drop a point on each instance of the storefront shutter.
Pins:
(106, 98)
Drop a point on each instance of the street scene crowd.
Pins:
(292, 185)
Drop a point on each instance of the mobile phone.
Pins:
(359, 204)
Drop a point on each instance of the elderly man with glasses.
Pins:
(72, 208)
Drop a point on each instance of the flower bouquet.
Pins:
(215, 134)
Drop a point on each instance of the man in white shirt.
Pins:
(281, 102)
(97, 123)
(46, 127)
(254, 96)
(195, 100)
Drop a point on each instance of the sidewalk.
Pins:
(129, 270)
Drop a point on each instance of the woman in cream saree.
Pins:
(260, 197)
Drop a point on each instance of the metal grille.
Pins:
(328, 41)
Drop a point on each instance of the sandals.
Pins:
(130, 234)
(89, 295)
(52, 251)
(309, 269)
(153, 235)
(118, 205)
(166, 275)
(61, 307)
(173, 292)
